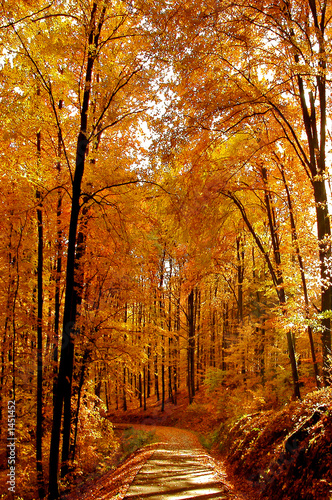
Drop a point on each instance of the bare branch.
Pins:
(13, 23)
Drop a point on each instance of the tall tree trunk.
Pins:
(212, 361)
(302, 273)
(39, 426)
(162, 373)
(177, 350)
(124, 391)
(117, 388)
(148, 393)
(144, 387)
(5, 340)
(197, 334)
(316, 137)
(260, 331)
(324, 235)
(276, 276)
(279, 277)
(156, 377)
(12, 352)
(240, 276)
(191, 346)
(140, 389)
(58, 270)
(79, 394)
(225, 332)
(63, 390)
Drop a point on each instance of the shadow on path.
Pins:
(178, 469)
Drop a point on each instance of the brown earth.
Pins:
(176, 467)
(179, 468)
(280, 454)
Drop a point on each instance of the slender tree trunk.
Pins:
(69, 317)
(225, 331)
(324, 235)
(58, 270)
(107, 396)
(197, 333)
(191, 346)
(212, 361)
(12, 352)
(162, 373)
(156, 377)
(260, 331)
(177, 350)
(39, 427)
(280, 279)
(302, 273)
(77, 300)
(170, 355)
(149, 372)
(240, 277)
(117, 390)
(144, 387)
(5, 350)
(276, 276)
(79, 395)
(124, 391)
(170, 361)
(316, 137)
(162, 324)
(140, 390)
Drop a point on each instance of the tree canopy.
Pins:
(165, 215)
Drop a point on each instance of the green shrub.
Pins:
(134, 439)
(208, 440)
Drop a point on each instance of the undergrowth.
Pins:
(284, 454)
(132, 440)
(209, 439)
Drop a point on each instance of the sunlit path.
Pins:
(179, 469)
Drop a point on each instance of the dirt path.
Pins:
(178, 469)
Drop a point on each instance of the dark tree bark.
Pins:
(162, 373)
(225, 332)
(191, 346)
(148, 393)
(162, 324)
(197, 335)
(124, 390)
(177, 327)
(260, 331)
(240, 276)
(140, 390)
(156, 377)
(63, 390)
(279, 277)
(144, 387)
(58, 270)
(315, 165)
(85, 360)
(39, 426)
(117, 389)
(302, 273)
(5, 345)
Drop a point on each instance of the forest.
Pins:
(165, 219)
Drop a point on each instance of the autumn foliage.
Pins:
(165, 215)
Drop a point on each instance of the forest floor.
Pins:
(274, 454)
(175, 467)
(153, 471)
(179, 468)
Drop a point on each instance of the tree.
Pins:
(244, 86)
